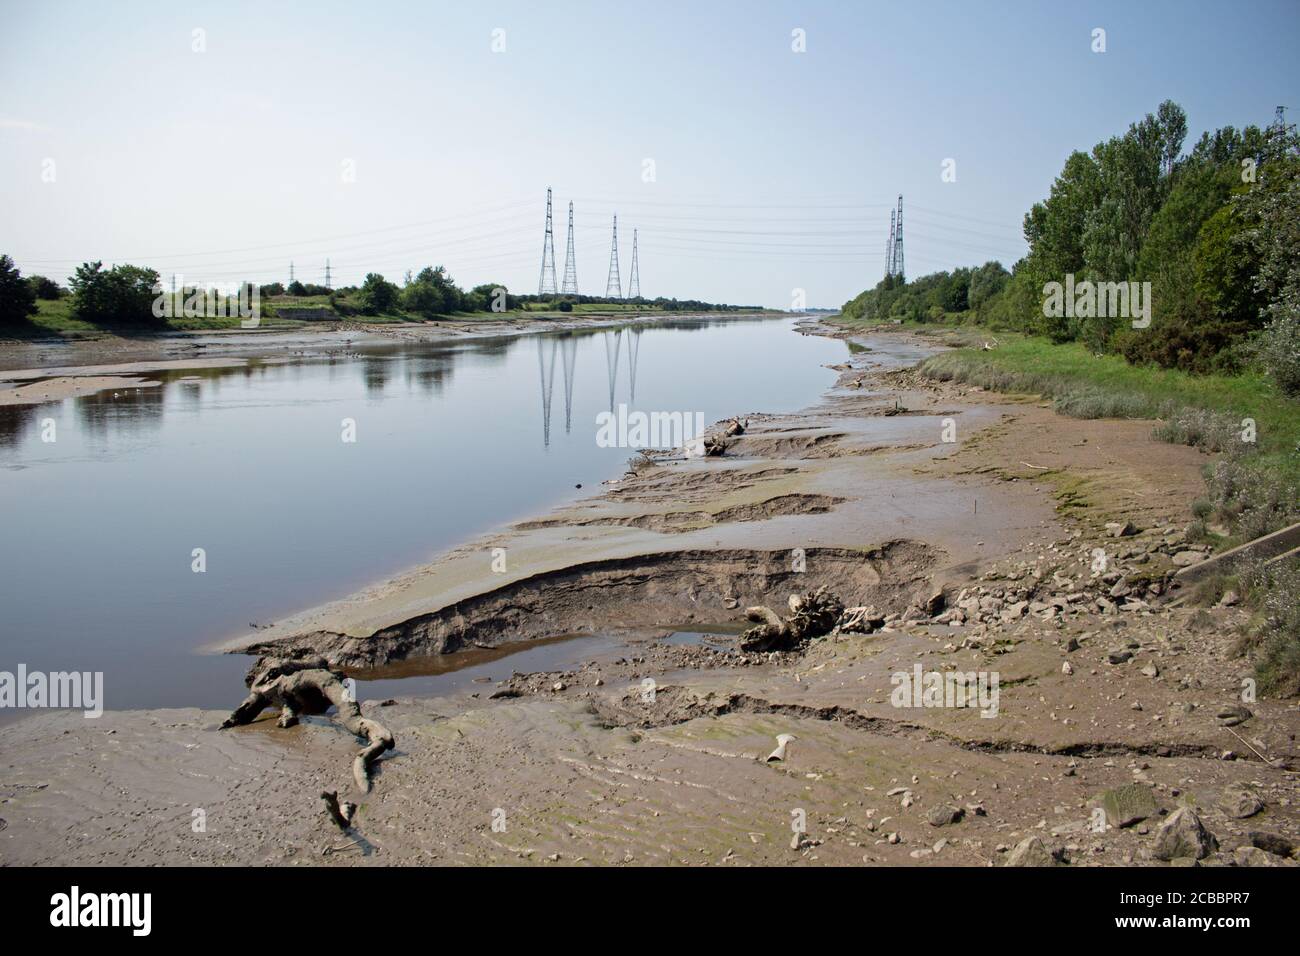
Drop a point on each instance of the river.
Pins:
(251, 464)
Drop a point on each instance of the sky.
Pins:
(222, 141)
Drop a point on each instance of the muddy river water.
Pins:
(291, 482)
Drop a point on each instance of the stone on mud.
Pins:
(1240, 801)
(943, 815)
(1128, 804)
(1183, 835)
(1030, 851)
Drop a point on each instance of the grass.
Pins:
(1253, 486)
(1207, 411)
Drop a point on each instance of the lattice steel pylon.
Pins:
(546, 285)
(634, 279)
(889, 247)
(898, 243)
(614, 284)
(570, 269)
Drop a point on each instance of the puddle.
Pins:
(479, 669)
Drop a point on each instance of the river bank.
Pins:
(890, 490)
(21, 360)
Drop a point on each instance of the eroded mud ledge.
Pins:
(663, 589)
(1101, 687)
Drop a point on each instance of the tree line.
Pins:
(1214, 230)
(124, 295)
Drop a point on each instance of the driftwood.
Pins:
(811, 615)
(309, 686)
(340, 813)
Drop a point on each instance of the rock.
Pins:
(1030, 851)
(1233, 714)
(1121, 529)
(1254, 856)
(1185, 559)
(1239, 801)
(1183, 835)
(1128, 804)
(1066, 668)
(943, 815)
(1071, 645)
(861, 620)
(1150, 670)
(1230, 599)
(1014, 612)
(936, 601)
(1119, 655)
(1271, 843)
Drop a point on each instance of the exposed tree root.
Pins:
(308, 686)
(811, 615)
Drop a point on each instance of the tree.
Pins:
(123, 295)
(986, 283)
(45, 288)
(378, 295)
(1270, 209)
(17, 297)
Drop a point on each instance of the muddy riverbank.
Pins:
(890, 491)
(112, 353)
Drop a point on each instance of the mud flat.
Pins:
(120, 354)
(982, 556)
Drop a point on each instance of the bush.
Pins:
(45, 288)
(17, 297)
(124, 295)
(1272, 593)
(1278, 349)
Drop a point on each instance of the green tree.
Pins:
(378, 295)
(124, 295)
(45, 288)
(17, 296)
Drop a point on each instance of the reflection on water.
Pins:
(249, 464)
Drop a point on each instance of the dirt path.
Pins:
(658, 756)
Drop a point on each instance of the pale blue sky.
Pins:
(775, 170)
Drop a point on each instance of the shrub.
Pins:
(17, 297)
(124, 295)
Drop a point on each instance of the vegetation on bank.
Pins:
(1210, 236)
(127, 297)
(1216, 234)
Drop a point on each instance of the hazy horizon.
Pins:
(773, 169)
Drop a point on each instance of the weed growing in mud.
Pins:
(1272, 593)
(1253, 501)
(1214, 432)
